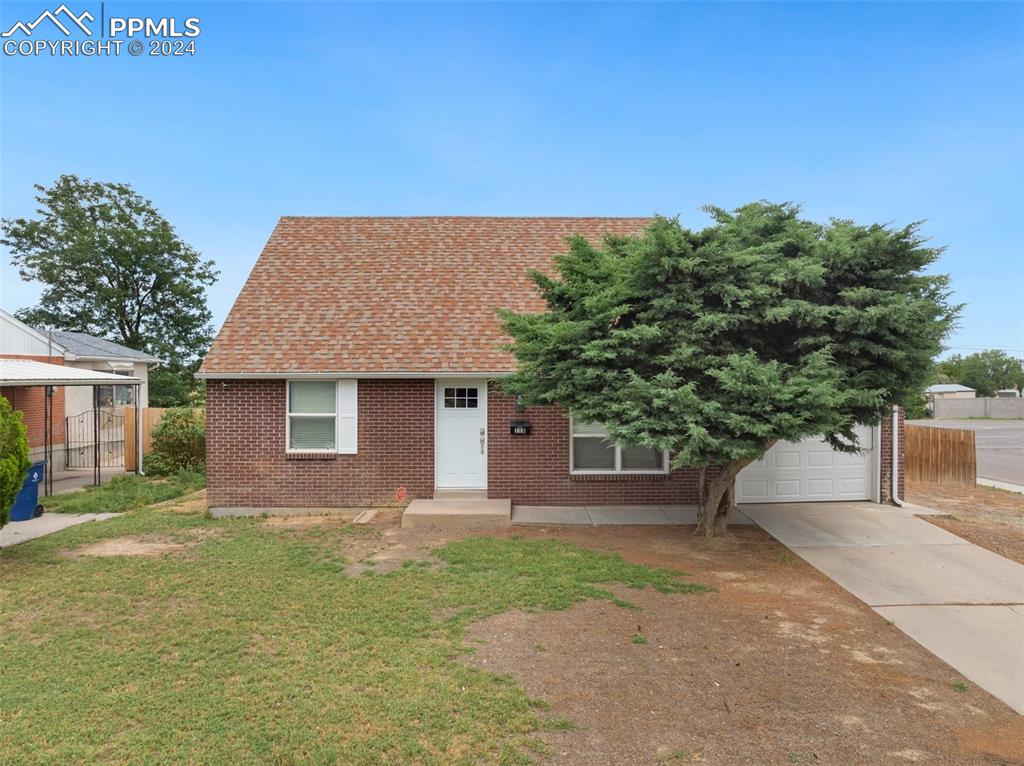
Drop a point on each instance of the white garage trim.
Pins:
(877, 434)
(811, 471)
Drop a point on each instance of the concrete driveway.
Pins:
(961, 602)
(999, 445)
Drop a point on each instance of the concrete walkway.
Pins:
(1004, 485)
(605, 515)
(71, 479)
(20, 531)
(963, 603)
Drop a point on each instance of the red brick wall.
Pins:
(534, 469)
(247, 464)
(29, 400)
(885, 473)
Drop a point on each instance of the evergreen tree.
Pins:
(715, 344)
(13, 457)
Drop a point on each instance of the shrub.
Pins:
(13, 457)
(179, 443)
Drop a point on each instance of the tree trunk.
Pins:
(718, 498)
(725, 508)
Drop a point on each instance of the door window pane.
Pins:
(312, 433)
(461, 398)
(593, 454)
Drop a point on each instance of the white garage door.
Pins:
(809, 470)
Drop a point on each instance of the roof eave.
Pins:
(147, 360)
(33, 332)
(397, 374)
(57, 383)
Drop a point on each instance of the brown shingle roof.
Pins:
(387, 295)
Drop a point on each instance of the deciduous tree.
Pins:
(985, 371)
(113, 266)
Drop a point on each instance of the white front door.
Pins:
(808, 471)
(460, 443)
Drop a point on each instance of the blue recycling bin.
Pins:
(27, 501)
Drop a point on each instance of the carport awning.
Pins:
(24, 372)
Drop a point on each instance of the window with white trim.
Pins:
(322, 416)
(593, 452)
(116, 396)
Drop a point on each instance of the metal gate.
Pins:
(84, 431)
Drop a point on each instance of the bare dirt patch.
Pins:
(379, 547)
(306, 522)
(127, 546)
(989, 517)
(144, 545)
(778, 665)
(194, 503)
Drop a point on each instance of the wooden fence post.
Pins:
(150, 417)
(130, 452)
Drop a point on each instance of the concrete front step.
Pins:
(458, 514)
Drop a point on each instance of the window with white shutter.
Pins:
(322, 416)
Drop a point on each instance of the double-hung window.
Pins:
(593, 452)
(322, 416)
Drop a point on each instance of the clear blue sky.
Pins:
(876, 112)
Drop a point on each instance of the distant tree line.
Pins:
(985, 371)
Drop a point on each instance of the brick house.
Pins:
(18, 341)
(358, 367)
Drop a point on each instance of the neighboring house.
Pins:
(358, 366)
(19, 341)
(949, 391)
(92, 353)
(946, 391)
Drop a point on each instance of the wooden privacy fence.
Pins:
(940, 455)
(150, 417)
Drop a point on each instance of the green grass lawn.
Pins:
(125, 493)
(253, 645)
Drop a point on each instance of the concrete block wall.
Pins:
(982, 407)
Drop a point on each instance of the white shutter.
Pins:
(347, 416)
